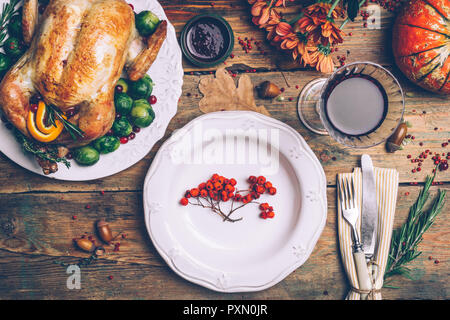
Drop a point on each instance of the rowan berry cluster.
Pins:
(218, 189)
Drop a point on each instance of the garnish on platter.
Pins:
(218, 189)
(220, 94)
(311, 36)
(74, 100)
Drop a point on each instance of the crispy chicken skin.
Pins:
(77, 53)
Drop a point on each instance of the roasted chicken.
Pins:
(77, 52)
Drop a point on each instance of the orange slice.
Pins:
(37, 127)
(40, 119)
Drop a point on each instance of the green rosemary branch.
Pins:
(8, 10)
(406, 239)
(50, 153)
(53, 113)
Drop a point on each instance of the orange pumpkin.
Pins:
(421, 43)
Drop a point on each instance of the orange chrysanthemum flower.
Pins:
(320, 58)
(261, 11)
(321, 27)
(271, 25)
(289, 39)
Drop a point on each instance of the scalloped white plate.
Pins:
(167, 74)
(252, 254)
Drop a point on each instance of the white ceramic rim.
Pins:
(316, 198)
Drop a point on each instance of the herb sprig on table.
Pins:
(406, 239)
(8, 10)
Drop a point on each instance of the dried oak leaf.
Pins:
(221, 94)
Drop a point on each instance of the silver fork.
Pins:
(350, 212)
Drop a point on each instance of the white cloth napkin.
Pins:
(386, 182)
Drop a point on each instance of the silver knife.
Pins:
(369, 216)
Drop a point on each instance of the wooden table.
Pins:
(32, 261)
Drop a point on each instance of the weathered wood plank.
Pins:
(28, 268)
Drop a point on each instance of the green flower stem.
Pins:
(335, 3)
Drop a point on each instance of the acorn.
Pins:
(85, 244)
(104, 231)
(394, 142)
(268, 90)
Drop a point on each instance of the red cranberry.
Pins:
(123, 140)
(136, 129)
(443, 166)
(152, 99)
(33, 107)
(119, 88)
(131, 136)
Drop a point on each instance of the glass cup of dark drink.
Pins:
(360, 105)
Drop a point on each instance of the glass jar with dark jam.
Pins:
(207, 40)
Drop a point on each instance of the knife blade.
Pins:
(369, 215)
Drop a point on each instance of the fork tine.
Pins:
(350, 194)
(353, 192)
(346, 193)
(340, 193)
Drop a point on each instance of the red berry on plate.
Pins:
(123, 140)
(195, 192)
(233, 181)
(252, 179)
(261, 180)
(184, 202)
(270, 214)
(272, 191)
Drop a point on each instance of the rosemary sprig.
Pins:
(406, 239)
(72, 129)
(50, 153)
(8, 10)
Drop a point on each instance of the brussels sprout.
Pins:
(142, 103)
(5, 63)
(106, 144)
(15, 26)
(123, 83)
(142, 116)
(86, 156)
(123, 103)
(146, 23)
(141, 89)
(14, 48)
(122, 127)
